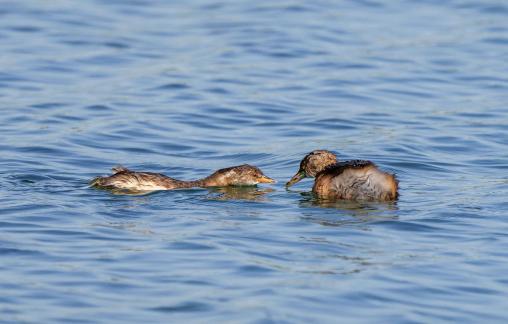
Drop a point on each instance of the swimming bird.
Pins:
(348, 180)
(125, 179)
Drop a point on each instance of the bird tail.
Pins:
(119, 168)
(97, 182)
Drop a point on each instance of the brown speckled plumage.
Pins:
(349, 180)
(125, 179)
(316, 161)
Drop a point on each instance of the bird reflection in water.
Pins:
(215, 193)
(239, 193)
(342, 212)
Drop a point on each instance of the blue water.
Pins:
(188, 87)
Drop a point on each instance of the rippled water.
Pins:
(187, 87)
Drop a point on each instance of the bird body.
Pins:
(125, 179)
(355, 180)
(140, 181)
(348, 180)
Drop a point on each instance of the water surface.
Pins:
(188, 87)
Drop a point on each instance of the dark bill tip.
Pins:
(297, 177)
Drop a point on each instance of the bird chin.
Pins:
(249, 183)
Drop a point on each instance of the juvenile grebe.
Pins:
(349, 180)
(125, 179)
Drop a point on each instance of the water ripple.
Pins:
(186, 88)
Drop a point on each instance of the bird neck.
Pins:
(212, 180)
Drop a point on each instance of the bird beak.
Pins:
(297, 177)
(265, 179)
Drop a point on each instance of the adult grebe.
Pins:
(349, 180)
